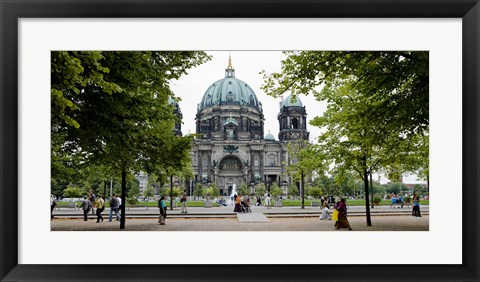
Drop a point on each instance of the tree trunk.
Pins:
(302, 191)
(104, 190)
(371, 186)
(365, 181)
(124, 192)
(428, 185)
(171, 192)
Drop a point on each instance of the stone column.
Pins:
(209, 165)
(262, 154)
(252, 163)
(200, 160)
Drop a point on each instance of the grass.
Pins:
(285, 202)
(291, 202)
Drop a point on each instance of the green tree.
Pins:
(304, 159)
(73, 192)
(199, 190)
(398, 81)
(395, 188)
(377, 104)
(121, 119)
(213, 190)
(315, 192)
(260, 189)
(293, 190)
(243, 189)
(275, 190)
(148, 192)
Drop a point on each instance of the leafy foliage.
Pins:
(260, 189)
(111, 108)
(275, 190)
(377, 115)
(73, 192)
(243, 189)
(213, 190)
(199, 190)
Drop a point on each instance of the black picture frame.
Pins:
(11, 11)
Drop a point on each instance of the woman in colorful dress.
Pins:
(342, 221)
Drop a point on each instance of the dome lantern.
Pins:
(229, 71)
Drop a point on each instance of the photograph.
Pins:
(238, 140)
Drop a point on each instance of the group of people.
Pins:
(97, 206)
(397, 200)
(339, 212)
(162, 207)
(242, 204)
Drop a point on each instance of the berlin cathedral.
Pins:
(231, 147)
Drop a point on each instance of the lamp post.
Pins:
(190, 194)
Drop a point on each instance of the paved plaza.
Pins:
(222, 218)
(311, 223)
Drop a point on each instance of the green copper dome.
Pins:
(229, 91)
(171, 101)
(269, 137)
(288, 102)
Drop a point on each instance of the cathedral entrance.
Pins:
(230, 175)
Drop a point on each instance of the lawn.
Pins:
(286, 202)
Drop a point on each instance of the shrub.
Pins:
(377, 200)
(315, 192)
(275, 190)
(73, 192)
(260, 189)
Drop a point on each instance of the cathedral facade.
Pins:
(231, 147)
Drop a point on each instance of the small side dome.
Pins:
(171, 101)
(288, 102)
(269, 137)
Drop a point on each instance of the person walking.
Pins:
(53, 203)
(91, 199)
(100, 206)
(416, 206)
(342, 221)
(113, 208)
(183, 200)
(325, 214)
(85, 205)
(119, 210)
(163, 211)
(267, 200)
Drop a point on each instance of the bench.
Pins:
(315, 204)
(278, 204)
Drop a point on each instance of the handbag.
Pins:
(335, 215)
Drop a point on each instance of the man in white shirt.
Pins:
(119, 198)
(267, 200)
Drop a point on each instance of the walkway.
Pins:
(380, 223)
(227, 212)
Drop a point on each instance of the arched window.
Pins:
(294, 123)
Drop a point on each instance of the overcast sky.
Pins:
(248, 65)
